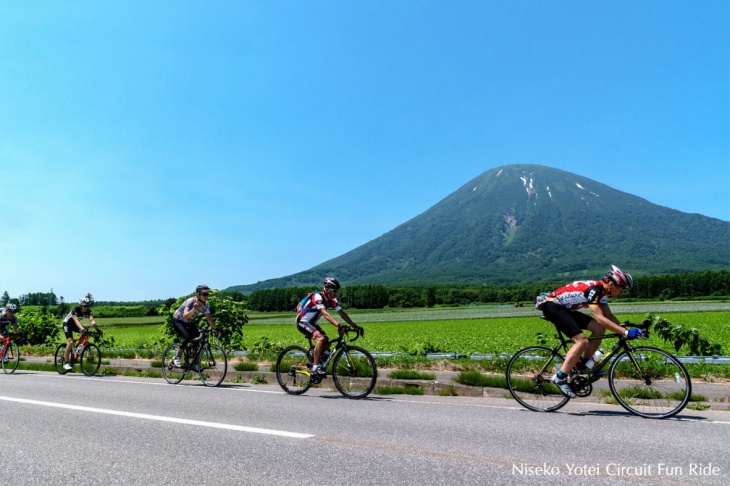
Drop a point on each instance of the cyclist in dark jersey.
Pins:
(562, 309)
(72, 323)
(315, 307)
(7, 317)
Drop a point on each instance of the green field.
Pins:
(459, 330)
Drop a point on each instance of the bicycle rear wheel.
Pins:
(172, 373)
(213, 365)
(354, 372)
(650, 383)
(90, 359)
(58, 360)
(11, 359)
(528, 379)
(293, 370)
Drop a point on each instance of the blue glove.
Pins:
(635, 334)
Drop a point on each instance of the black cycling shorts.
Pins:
(308, 329)
(186, 330)
(569, 322)
(69, 328)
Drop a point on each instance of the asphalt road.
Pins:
(116, 430)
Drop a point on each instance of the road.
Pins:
(120, 430)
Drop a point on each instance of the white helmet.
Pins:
(85, 301)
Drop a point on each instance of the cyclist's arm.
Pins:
(78, 323)
(210, 321)
(603, 316)
(347, 319)
(329, 317)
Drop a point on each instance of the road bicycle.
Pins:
(646, 381)
(86, 353)
(206, 358)
(352, 367)
(10, 356)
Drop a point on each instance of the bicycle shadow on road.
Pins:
(624, 414)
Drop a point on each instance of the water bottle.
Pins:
(594, 359)
(325, 356)
(79, 349)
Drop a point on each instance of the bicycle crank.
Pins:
(581, 386)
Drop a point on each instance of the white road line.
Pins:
(160, 418)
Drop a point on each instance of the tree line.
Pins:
(697, 285)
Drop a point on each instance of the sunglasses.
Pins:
(204, 294)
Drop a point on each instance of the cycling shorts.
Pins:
(309, 329)
(186, 330)
(569, 322)
(69, 328)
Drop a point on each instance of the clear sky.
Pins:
(147, 147)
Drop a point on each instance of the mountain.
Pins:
(528, 223)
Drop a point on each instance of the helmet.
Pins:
(620, 278)
(85, 301)
(200, 288)
(11, 307)
(331, 283)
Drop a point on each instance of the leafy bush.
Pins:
(38, 327)
(682, 337)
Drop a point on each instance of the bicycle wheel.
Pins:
(293, 370)
(528, 379)
(650, 383)
(11, 359)
(172, 373)
(58, 360)
(354, 372)
(213, 365)
(90, 359)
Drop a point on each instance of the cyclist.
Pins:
(7, 317)
(72, 323)
(561, 308)
(184, 319)
(316, 306)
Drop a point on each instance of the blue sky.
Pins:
(147, 147)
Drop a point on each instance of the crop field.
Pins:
(467, 330)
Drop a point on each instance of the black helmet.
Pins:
(620, 278)
(331, 283)
(200, 288)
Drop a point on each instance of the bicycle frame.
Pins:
(6, 342)
(595, 373)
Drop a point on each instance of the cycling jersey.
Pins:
(578, 295)
(312, 310)
(5, 321)
(187, 306)
(78, 312)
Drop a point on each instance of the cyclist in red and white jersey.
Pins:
(7, 317)
(562, 309)
(316, 307)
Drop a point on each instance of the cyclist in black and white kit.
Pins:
(316, 307)
(72, 323)
(7, 317)
(184, 319)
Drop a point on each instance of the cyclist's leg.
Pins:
(571, 324)
(183, 330)
(313, 331)
(597, 330)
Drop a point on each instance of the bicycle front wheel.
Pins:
(354, 372)
(90, 359)
(294, 370)
(172, 373)
(650, 383)
(11, 359)
(528, 379)
(213, 365)
(58, 360)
